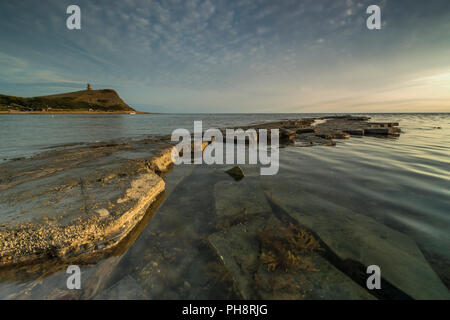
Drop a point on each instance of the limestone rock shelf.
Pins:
(84, 199)
(69, 202)
(214, 237)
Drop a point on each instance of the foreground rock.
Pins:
(83, 200)
(70, 202)
(171, 260)
(269, 258)
(354, 237)
(125, 289)
(86, 198)
(236, 173)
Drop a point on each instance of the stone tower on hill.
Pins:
(89, 86)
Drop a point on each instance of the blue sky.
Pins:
(233, 56)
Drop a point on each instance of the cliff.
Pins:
(106, 100)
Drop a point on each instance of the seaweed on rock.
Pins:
(287, 248)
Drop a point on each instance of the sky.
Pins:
(190, 56)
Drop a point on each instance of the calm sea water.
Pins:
(24, 135)
(402, 183)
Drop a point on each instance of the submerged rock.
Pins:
(125, 289)
(353, 236)
(84, 200)
(236, 173)
(268, 258)
(237, 203)
(258, 275)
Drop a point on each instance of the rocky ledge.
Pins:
(322, 131)
(84, 199)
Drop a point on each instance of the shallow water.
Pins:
(24, 134)
(402, 185)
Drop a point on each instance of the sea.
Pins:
(402, 183)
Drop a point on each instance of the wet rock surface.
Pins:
(358, 238)
(212, 250)
(65, 203)
(125, 289)
(322, 131)
(270, 258)
(212, 238)
(238, 245)
(81, 198)
(236, 173)
(172, 259)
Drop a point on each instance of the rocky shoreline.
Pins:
(252, 238)
(77, 201)
(53, 112)
(84, 200)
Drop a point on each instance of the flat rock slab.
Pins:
(401, 261)
(245, 197)
(381, 131)
(243, 212)
(125, 289)
(343, 127)
(169, 259)
(322, 131)
(383, 124)
(67, 202)
(85, 198)
(239, 251)
(355, 132)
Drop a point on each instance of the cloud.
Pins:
(235, 51)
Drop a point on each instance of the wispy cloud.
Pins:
(223, 55)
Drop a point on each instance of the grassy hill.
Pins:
(87, 100)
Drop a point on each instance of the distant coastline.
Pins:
(14, 112)
(105, 101)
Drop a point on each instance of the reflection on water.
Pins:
(376, 201)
